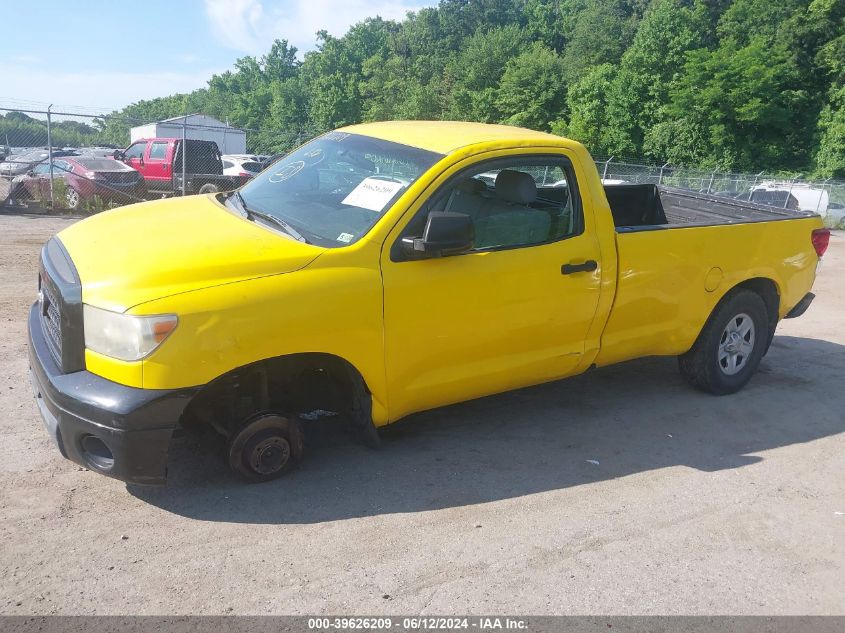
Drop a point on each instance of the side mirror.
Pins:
(445, 234)
(119, 155)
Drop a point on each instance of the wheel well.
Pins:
(297, 383)
(768, 291)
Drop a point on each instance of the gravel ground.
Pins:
(697, 505)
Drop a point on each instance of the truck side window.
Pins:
(135, 151)
(158, 150)
(513, 202)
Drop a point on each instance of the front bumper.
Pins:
(119, 191)
(134, 425)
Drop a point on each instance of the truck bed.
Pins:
(653, 207)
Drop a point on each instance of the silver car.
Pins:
(19, 164)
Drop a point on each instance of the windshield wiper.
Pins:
(251, 214)
(287, 228)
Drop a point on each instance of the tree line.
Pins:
(728, 84)
(18, 129)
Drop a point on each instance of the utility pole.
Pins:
(50, 153)
(184, 149)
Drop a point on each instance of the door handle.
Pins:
(587, 267)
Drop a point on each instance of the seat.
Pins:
(507, 219)
(469, 197)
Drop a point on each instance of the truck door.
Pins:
(158, 162)
(134, 156)
(514, 310)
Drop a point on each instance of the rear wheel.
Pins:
(730, 346)
(266, 447)
(209, 188)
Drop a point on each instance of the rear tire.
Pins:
(209, 188)
(266, 447)
(729, 348)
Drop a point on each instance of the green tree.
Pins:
(588, 101)
(709, 82)
(746, 101)
(829, 16)
(669, 29)
(332, 73)
(830, 158)
(601, 32)
(532, 90)
(473, 75)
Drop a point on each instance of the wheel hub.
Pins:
(733, 344)
(736, 344)
(270, 455)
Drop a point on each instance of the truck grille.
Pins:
(51, 321)
(60, 308)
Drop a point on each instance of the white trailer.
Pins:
(230, 140)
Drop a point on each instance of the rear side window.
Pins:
(775, 198)
(158, 150)
(203, 158)
(250, 166)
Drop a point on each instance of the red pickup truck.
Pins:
(160, 161)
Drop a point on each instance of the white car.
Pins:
(240, 165)
(835, 217)
(799, 196)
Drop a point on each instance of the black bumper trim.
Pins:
(135, 424)
(801, 307)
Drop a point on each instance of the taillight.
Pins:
(244, 174)
(821, 239)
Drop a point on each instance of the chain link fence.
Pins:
(825, 197)
(67, 159)
(70, 160)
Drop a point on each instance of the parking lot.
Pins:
(618, 492)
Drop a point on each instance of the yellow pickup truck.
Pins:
(387, 268)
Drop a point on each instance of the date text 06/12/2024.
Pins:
(481, 623)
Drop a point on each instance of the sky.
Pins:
(100, 55)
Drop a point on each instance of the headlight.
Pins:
(124, 336)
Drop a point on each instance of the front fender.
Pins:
(319, 309)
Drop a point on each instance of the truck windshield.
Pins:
(335, 188)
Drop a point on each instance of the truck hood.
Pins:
(156, 249)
